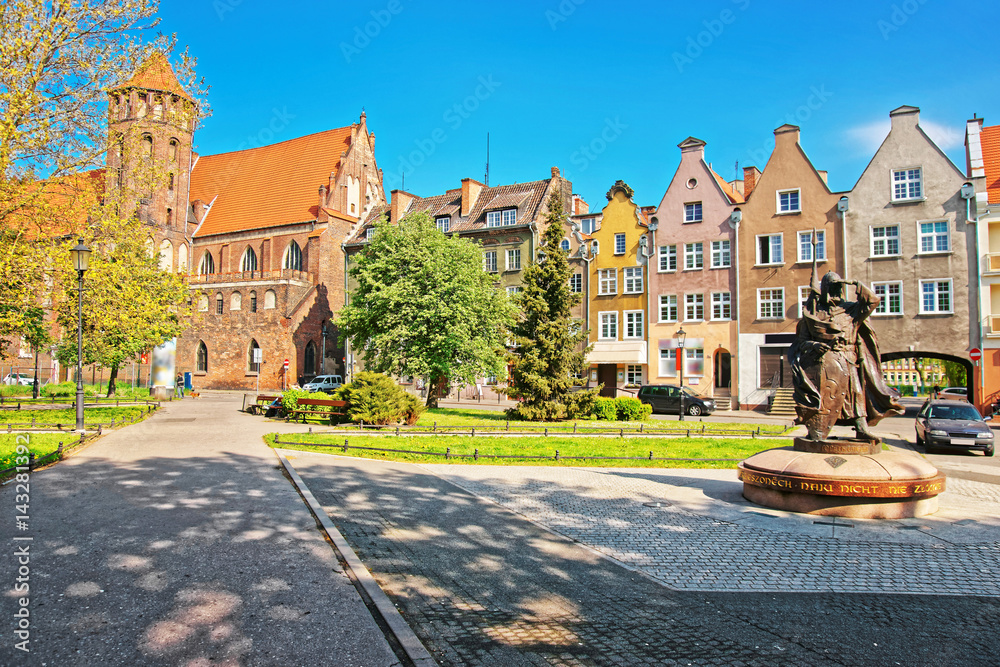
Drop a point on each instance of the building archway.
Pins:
(975, 399)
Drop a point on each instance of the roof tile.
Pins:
(990, 139)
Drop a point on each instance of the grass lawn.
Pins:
(675, 448)
(39, 443)
(465, 418)
(68, 416)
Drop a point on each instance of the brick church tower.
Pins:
(151, 122)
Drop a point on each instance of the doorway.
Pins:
(723, 370)
(607, 375)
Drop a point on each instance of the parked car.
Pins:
(327, 383)
(944, 423)
(19, 378)
(955, 393)
(666, 398)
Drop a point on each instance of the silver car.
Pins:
(325, 383)
(953, 424)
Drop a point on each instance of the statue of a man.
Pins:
(836, 369)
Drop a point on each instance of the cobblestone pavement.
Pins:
(726, 544)
(481, 585)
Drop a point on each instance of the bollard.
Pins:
(310, 430)
(397, 431)
(60, 450)
(447, 453)
(508, 424)
(475, 455)
(557, 455)
(689, 433)
(435, 427)
(650, 455)
(546, 432)
(31, 460)
(640, 427)
(32, 421)
(574, 428)
(621, 433)
(345, 445)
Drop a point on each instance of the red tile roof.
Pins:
(990, 139)
(267, 186)
(734, 196)
(156, 74)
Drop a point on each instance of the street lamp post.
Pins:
(322, 354)
(81, 260)
(681, 339)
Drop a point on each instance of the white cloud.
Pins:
(867, 138)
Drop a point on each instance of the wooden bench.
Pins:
(304, 405)
(260, 405)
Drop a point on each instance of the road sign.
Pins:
(975, 354)
(258, 355)
(286, 363)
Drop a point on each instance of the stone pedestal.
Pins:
(849, 478)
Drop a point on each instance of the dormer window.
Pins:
(444, 224)
(502, 218)
(907, 184)
(369, 233)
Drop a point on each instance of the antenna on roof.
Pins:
(737, 170)
(487, 159)
(403, 186)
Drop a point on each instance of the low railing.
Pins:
(246, 276)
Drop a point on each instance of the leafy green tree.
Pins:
(954, 373)
(547, 339)
(130, 305)
(58, 60)
(424, 307)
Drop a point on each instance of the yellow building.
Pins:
(618, 285)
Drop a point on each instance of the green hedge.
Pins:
(374, 398)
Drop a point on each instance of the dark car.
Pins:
(953, 424)
(666, 398)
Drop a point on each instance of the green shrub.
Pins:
(606, 408)
(290, 399)
(631, 409)
(413, 408)
(580, 404)
(60, 390)
(374, 398)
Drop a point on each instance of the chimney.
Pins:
(974, 148)
(400, 202)
(580, 207)
(555, 172)
(470, 193)
(322, 196)
(822, 174)
(750, 177)
(737, 186)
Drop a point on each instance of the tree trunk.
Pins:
(433, 389)
(113, 380)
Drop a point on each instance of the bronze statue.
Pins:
(836, 369)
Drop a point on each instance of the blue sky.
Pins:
(603, 90)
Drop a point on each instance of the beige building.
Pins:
(785, 204)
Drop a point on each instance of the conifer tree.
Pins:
(546, 337)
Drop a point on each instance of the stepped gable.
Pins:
(267, 186)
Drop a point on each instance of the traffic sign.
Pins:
(286, 363)
(975, 354)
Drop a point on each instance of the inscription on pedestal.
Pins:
(855, 489)
(852, 446)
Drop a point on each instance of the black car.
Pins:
(666, 398)
(958, 424)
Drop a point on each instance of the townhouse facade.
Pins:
(788, 205)
(620, 250)
(692, 279)
(909, 239)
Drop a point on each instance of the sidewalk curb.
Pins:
(402, 632)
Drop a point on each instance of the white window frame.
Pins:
(760, 302)
(907, 183)
(514, 289)
(587, 225)
(501, 217)
(576, 283)
(607, 281)
(937, 282)
(722, 306)
(632, 277)
(513, 259)
(691, 355)
(443, 224)
(803, 295)
(667, 253)
(804, 243)
(694, 302)
(490, 261)
(884, 241)
(369, 233)
(694, 253)
(883, 307)
(668, 355)
(692, 212)
(564, 245)
(621, 241)
(789, 210)
(670, 302)
(635, 328)
(606, 321)
(633, 374)
(770, 249)
(722, 255)
(934, 236)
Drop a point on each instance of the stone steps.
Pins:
(783, 403)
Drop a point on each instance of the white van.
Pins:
(327, 383)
